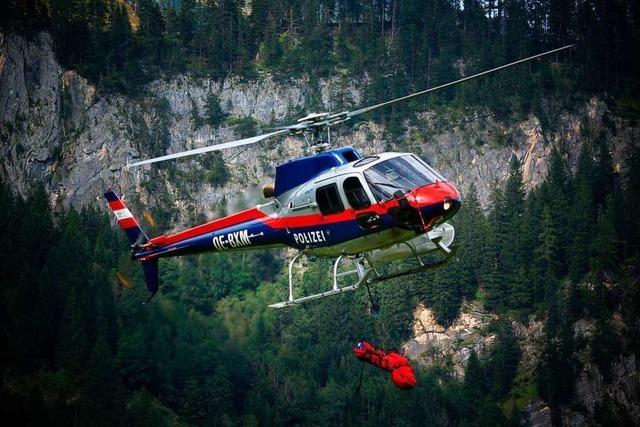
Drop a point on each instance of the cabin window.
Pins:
(328, 199)
(356, 196)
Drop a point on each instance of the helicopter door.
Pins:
(358, 199)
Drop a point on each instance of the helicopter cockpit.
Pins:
(403, 173)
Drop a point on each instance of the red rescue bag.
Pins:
(401, 372)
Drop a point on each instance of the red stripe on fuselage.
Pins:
(319, 219)
(116, 205)
(234, 219)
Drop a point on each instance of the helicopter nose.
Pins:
(450, 205)
(437, 200)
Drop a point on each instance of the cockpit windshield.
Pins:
(399, 173)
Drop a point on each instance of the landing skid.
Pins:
(366, 271)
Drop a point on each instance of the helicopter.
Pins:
(363, 212)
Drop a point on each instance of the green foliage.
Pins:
(216, 171)
(153, 137)
(488, 380)
(78, 349)
(145, 410)
(196, 119)
(557, 368)
(214, 114)
(244, 127)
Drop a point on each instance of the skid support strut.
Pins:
(365, 267)
(365, 272)
(360, 271)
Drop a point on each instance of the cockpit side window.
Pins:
(402, 173)
(356, 196)
(328, 199)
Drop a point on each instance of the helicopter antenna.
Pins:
(312, 124)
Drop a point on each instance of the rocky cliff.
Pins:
(59, 129)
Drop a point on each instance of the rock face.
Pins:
(58, 129)
(596, 396)
(435, 344)
(617, 395)
(30, 88)
(538, 414)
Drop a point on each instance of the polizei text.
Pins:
(310, 237)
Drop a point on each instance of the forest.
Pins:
(79, 347)
(396, 44)
(207, 351)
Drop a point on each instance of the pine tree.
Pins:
(67, 267)
(555, 372)
(546, 263)
(605, 244)
(632, 201)
(603, 180)
(557, 187)
(213, 111)
(151, 31)
(513, 251)
(474, 376)
(503, 362)
(582, 216)
(102, 404)
(493, 282)
(471, 227)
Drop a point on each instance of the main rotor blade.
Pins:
(433, 89)
(230, 144)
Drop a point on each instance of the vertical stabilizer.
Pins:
(126, 221)
(150, 268)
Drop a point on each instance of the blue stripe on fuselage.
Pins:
(249, 235)
(332, 234)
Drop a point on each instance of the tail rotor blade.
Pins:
(124, 280)
(149, 218)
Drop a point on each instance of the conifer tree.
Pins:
(605, 244)
(474, 376)
(493, 282)
(631, 202)
(582, 215)
(471, 227)
(151, 31)
(213, 111)
(558, 188)
(102, 403)
(512, 241)
(503, 361)
(546, 263)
